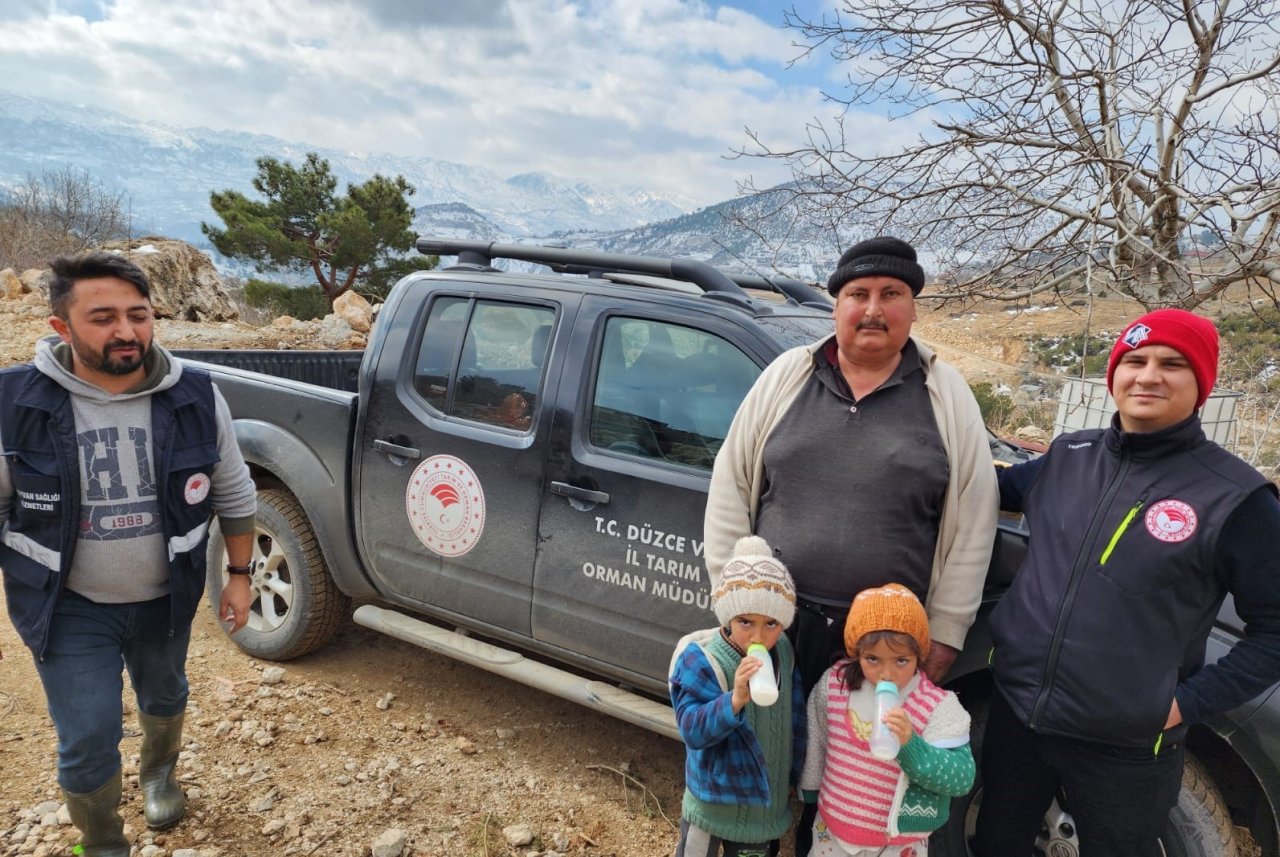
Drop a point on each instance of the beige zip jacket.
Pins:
(966, 531)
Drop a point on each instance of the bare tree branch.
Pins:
(58, 212)
(1131, 140)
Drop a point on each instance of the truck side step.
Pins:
(601, 696)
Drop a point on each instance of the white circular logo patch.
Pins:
(445, 505)
(1171, 521)
(197, 488)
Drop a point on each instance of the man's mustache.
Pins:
(872, 325)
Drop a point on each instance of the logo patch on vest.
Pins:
(197, 488)
(1171, 521)
(1136, 335)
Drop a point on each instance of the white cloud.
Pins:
(653, 92)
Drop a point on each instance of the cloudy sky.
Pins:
(648, 92)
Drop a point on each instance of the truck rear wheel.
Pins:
(296, 607)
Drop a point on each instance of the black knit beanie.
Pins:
(883, 257)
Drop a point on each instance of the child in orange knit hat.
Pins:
(867, 806)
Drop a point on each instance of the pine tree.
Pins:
(345, 241)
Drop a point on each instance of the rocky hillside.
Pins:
(193, 308)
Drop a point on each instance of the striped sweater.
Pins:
(866, 802)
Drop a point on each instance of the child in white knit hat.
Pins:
(741, 756)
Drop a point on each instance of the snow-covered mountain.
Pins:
(762, 233)
(456, 220)
(168, 173)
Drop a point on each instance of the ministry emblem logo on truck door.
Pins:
(445, 505)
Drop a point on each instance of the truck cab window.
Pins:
(666, 392)
(483, 361)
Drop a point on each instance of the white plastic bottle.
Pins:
(763, 685)
(884, 744)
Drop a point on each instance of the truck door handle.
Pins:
(573, 492)
(395, 449)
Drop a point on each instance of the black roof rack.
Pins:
(714, 283)
(800, 292)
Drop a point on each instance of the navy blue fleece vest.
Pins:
(1120, 586)
(37, 428)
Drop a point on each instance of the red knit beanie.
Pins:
(1192, 336)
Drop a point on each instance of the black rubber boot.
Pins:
(97, 815)
(163, 803)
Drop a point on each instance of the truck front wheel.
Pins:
(296, 606)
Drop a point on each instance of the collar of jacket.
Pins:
(1155, 444)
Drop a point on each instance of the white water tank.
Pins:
(1087, 404)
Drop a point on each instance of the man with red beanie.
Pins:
(1138, 532)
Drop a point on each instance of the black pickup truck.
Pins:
(514, 474)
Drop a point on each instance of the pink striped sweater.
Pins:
(860, 797)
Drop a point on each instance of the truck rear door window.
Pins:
(482, 360)
(666, 392)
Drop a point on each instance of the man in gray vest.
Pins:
(113, 459)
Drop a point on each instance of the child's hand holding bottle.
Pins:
(742, 682)
(900, 725)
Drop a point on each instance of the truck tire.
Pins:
(1199, 824)
(296, 607)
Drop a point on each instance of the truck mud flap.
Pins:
(601, 696)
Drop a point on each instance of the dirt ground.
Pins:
(370, 739)
(336, 754)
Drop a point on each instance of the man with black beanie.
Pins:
(863, 460)
(888, 439)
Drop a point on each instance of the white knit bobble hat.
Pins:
(753, 581)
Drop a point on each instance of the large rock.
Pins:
(36, 280)
(184, 283)
(354, 310)
(335, 332)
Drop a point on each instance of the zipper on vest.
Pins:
(1124, 525)
(1078, 565)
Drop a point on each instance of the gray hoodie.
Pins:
(121, 555)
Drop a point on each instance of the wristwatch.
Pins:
(239, 569)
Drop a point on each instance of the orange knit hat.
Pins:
(892, 607)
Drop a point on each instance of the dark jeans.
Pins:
(1119, 796)
(695, 842)
(818, 639)
(90, 644)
